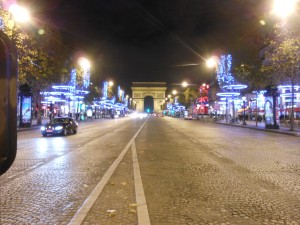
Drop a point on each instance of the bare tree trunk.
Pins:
(233, 111)
(39, 102)
(293, 93)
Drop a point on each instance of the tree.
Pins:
(94, 93)
(282, 59)
(190, 96)
(40, 63)
(42, 58)
(252, 76)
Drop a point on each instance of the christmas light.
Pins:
(224, 70)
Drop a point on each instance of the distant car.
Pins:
(60, 125)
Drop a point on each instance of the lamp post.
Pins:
(212, 64)
(86, 66)
(284, 9)
(19, 13)
(244, 107)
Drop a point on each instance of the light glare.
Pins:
(19, 13)
(212, 62)
(262, 22)
(84, 63)
(284, 8)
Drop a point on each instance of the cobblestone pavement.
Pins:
(192, 173)
(215, 175)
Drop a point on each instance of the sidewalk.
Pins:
(283, 129)
(34, 125)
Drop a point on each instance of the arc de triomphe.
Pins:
(156, 90)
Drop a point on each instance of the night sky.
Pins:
(165, 40)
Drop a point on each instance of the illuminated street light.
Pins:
(16, 14)
(283, 8)
(20, 14)
(174, 92)
(212, 62)
(110, 83)
(84, 63)
(184, 84)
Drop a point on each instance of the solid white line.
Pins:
(217, 154)
(91, 199)
(142, 209)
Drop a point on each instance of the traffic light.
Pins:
(8, 102)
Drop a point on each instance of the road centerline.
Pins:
(142, 209)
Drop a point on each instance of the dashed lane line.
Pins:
(91, 199)
(142, 209)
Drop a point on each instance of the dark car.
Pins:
(60, 125)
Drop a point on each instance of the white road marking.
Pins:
(217, 154)
(142, 209)
(91, 199)
(26, 170)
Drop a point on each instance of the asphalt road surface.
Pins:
(158, 170)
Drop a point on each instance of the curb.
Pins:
(278, 131)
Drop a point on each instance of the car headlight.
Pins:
(59, 128)
(43, 128)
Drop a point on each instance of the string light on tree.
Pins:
(224, 70)
(105, 89)
(85, 65)
(73, 78)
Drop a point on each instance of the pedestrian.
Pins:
(35, 114)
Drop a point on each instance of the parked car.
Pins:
(60, 125)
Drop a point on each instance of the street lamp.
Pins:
(283, 8)
(84, 63)
(212, 62)
(17, 14)
(244, 107)
(20, 14)
(184, 84)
